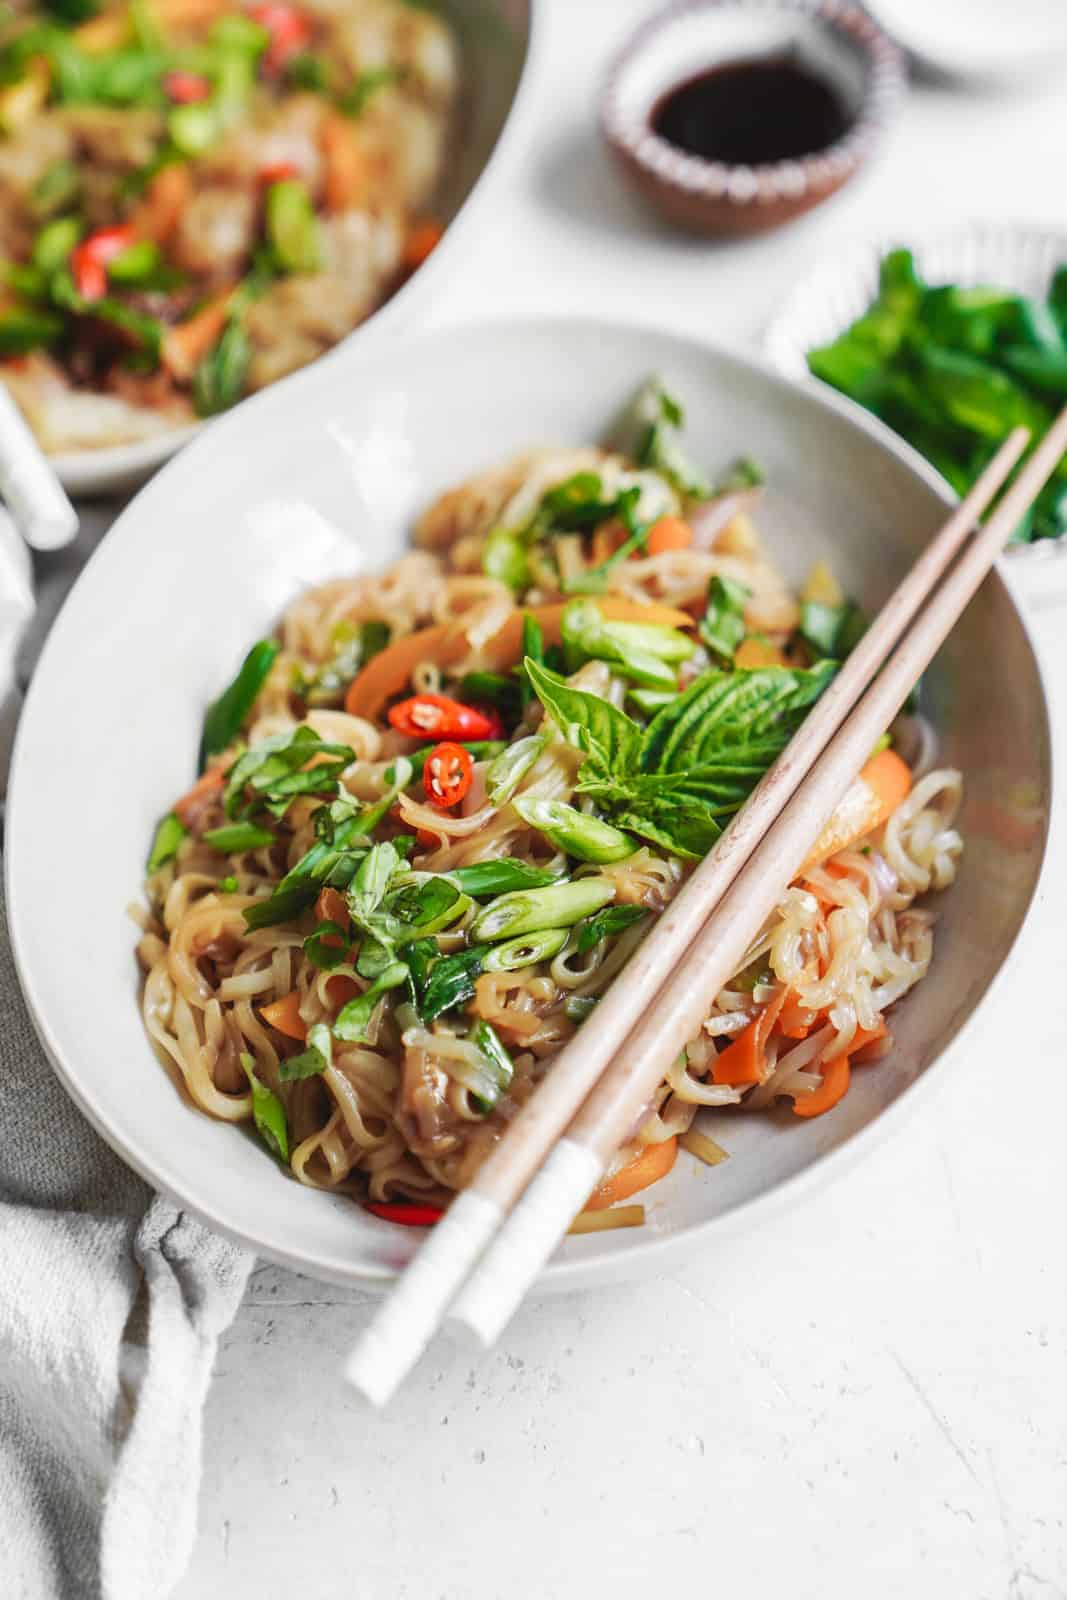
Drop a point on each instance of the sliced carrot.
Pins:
(873, 797)
(794, 1020)
(865, 1036)
(648, 1166)
(743, 1061)
(608, 538)
(345, 167)
(758, 653)
(421, 242)
(389, 672)
(209, 783)
(166, 197)
(284, 1014)
(187, 343)
(836, 1074)
(834, 1085)
(668, 533)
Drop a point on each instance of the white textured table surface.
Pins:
(868, 1397)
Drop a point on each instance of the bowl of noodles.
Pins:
(199, 197)
(455, 681)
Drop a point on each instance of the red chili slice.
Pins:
(89, 260)
(408, 1215)
(185, 88)
(278, 171)
(447, 774)
(437, 716)
(289, 31)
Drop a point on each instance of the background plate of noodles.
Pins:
(198, 198)
(324, 481)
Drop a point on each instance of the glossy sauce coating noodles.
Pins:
(483, 932)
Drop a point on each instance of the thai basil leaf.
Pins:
(593, 725)
(327, 955)
(312, 1061)
(606, 924)
(268, 1113)
(372, 880)
(722, 626)
(353, 1020)
(486, 1039)
(451, 981)
(168, 837)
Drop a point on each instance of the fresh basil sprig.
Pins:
(676, 780)
(312, 1061)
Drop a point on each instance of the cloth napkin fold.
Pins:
(111, 1306)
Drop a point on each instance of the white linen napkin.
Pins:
(111, 1305)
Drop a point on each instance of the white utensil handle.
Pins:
(29, 487)
(490, 1297)
(401, 1329)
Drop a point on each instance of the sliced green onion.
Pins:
(168, 837)
(570, 830)
(235, 836)
(226, 717)
(292, 227)
(511, 766)
(530, 910)
(525, 950)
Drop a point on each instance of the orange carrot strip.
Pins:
(668, 533)
(166, 197)
(284, 1014)
(743, 1061)
(389, 672)
(345, 170)
(207, 784)
(422, 240)
(648, 1166)
(835, 1076)
(872, 798)
(758, 653)
(187, 343)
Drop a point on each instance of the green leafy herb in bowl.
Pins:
(953, 368)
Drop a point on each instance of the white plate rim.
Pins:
(656, 1252)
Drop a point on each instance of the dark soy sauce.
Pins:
(752, 112)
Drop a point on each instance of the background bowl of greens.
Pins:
(951, 339)
(320, 478)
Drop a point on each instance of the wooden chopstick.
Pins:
(407, 1320)
(673, 1015)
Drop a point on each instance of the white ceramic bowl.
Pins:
(496, 39)
(324, 476)
(835, 293)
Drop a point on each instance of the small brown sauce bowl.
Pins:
(831, 41)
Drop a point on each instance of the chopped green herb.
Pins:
(268, 1113)
(312, 1061)
(226, 718)
(168, 837)
(722, 626)
(235, 836)
(606, 924)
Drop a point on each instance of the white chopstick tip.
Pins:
(29, 484)
(487, 1302)
(404, 1324)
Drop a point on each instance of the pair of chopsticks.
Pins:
(484, 1254)
(29, 486)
